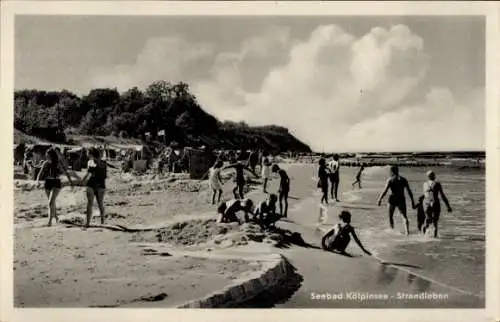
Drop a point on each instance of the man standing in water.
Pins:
(334, 166)
(397, 199)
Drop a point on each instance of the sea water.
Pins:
(455, 258)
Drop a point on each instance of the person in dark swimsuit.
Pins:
(339, 237)
(51, 170)
(238, 190)
(283, 190)
(95, 181)
(397, 184)
(323, 176)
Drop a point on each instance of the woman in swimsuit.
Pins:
(52, 169)
(95, 181)
(397, 184)
(431, 202)
(323, 176)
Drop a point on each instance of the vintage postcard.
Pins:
(250, 155)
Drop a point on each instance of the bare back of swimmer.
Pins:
(397, 185)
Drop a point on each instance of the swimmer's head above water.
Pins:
(394, 170)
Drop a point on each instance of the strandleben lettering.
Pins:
(421, 296)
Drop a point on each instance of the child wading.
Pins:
(431, 202)
(338, 238)
(420, 213)
(283, 189)
(358, 177)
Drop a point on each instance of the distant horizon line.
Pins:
(407, 151)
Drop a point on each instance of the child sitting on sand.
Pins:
(228, 210)
(265, 212)
(338, 238)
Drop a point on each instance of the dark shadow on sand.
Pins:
(289, 238)
(278, 294)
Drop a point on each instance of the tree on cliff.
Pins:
(162, 106)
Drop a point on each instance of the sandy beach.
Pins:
(66, 266)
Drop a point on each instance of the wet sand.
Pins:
(326, 272)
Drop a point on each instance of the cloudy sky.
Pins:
(338, 83)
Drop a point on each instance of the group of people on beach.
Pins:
(265, 211)
(428, 210)
(428, 207)
(55, 166)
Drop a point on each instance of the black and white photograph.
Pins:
(249, 161)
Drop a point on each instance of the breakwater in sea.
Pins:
(474, 161)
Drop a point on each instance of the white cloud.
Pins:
(339, 92)
(161, 58)
(333, 90)
(439, 122)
